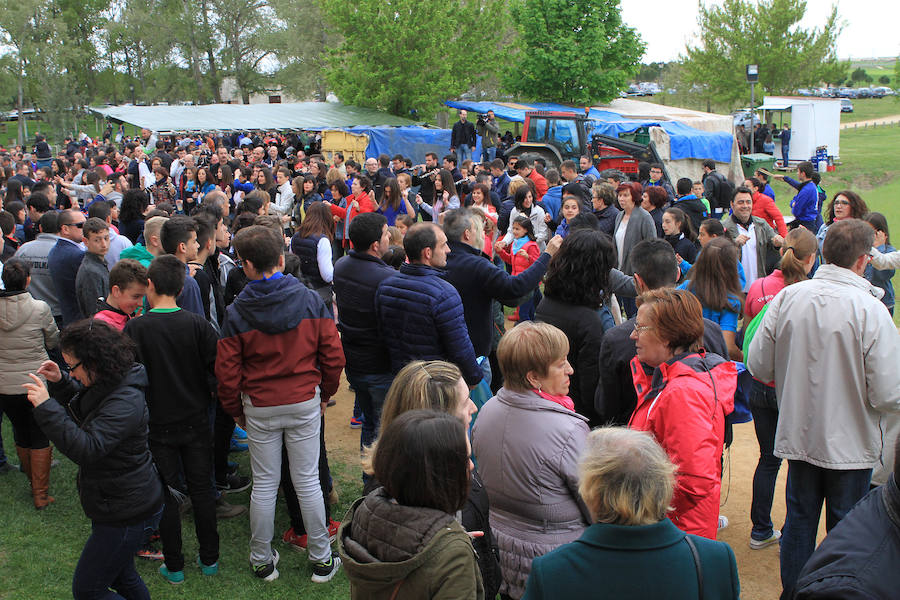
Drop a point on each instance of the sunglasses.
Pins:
(78, 225)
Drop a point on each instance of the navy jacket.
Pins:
(607, 218)
(501, 185)
(421, 318)
(479, 281)
(356, 279)
(859, 557)
(64, 260)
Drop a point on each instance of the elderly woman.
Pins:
(577, 283)
(527, 440)
(403, 539)
(26, 327)
(683, 397)
(632, 550)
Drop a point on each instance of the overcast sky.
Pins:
(870, 29)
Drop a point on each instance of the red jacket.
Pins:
(683, 403)
(540, 184)
(347, 214)
(517, 262)
(764, 208)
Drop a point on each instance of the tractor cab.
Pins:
(564, 132)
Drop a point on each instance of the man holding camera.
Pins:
(489, 131)
(462, 138)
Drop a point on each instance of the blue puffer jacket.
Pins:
(421, 318)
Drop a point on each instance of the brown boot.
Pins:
(25, 461)
(40, 477)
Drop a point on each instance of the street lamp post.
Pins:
(752, 78)
(131, 87)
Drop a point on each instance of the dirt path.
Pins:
(870, 122)
(758, 568)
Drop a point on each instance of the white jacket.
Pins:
(889, 260)
(834, 353)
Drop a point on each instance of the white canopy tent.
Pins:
(814, 122)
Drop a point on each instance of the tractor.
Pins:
(556, 136)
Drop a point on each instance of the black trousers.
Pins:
(186, 448)
(26, 431)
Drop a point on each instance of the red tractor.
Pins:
(555, 136)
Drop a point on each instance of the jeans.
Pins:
(107, 561)
(371, 390)
(488, 154)
(26, 431)
(186, 448)
(462, 153)
(764, 421)
(295, 513)
(630, 307)
(526, 309)
(807, 487)
(297, 427)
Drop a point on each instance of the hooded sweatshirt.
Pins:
(279, 343)
(394, 551)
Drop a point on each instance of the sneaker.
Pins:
(298, 542)
(723, 522)
(355, 423)
(208, 570)
(238, 434)
(173, 577)
(760, 544)
(237, 446)
(234, 484)
(224, 510)
(323, 572)
(149, 552)
(268, 572)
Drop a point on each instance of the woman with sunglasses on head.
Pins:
(97, 416)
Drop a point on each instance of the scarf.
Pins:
(563, 401)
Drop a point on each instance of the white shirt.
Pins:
(620, 240)
(748, 254)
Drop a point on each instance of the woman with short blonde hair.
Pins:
(632, 550)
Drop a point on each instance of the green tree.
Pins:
(408, 54)
(301, 47)
(767, 33)
(571, 51)
(858, 75)
(245, 26)
(897, 72)
(884, 80)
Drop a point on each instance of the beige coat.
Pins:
(26, 326)
(832, 349)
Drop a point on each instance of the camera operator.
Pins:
(489, 131)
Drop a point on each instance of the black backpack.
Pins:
(724, 190)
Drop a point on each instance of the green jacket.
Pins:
(139, 253)
(391, 551)
(621, 561)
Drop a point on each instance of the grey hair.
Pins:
(625, 477)
(457, 222)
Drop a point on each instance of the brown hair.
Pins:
(714, 277)
(541, 345)
(676, 316)
(858, 207)
(657, 196)
(318, 221)
(799, 245)
(846, 241)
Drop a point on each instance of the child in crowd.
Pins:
(881, 277)
(403, 223)
(396, 236)
(571, 206)
(697, 190)
(680, 234)
(710, 229)
(92, 280)
(127, 286)
(178, 349)
(520, 255)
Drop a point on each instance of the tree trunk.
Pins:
(211, 57)
(20, 105)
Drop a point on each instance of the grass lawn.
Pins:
(39, 550)
(865, 109)
(871, 169)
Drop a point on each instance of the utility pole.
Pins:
(752, 78)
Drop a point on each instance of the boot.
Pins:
(40, 477)
(25, 461)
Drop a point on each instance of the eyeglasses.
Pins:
(642, 328)
(841, 203)
(78, 225)
(75, 366)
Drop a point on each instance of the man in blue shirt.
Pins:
(588, 169)
(804, 204)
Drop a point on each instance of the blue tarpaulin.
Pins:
(685, 141)
(411, 141)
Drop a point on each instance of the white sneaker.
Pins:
(324, 571)
(760, 544)
(268, 572)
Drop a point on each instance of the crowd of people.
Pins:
(169, 300)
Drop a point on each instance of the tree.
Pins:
(767, 33)
(858, 75)
(244, 25)
(897, 71)
(407, 54)
(302, 56)
(884, 80)
(571, 51)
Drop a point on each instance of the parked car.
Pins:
(846, 105)
(742, 117)
(863, 92)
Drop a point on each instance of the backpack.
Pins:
(724, 189)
